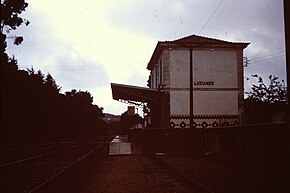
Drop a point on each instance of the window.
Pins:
(160, 66)
(157, 76)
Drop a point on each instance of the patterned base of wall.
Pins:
(204, 121)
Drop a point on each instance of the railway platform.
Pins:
(120, 145)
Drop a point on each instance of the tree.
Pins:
(266, 103)
(12, 80)
(84, 118)
(275, 92)
(51, 84)
(80, 98)
(10, 20)
(128, 121)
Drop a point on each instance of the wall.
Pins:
(263, 145)
(160, 74)
(216, 88)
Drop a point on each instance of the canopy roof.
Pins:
(135, 93)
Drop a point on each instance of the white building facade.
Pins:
(217, 81)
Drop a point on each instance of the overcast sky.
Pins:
(88, 44)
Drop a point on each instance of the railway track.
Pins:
(138, 173)
(191, 183)
(16, 155)
(33, 174)
(210, 176)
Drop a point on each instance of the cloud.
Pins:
(101, 96)
(40, 42)
(79, 73)
(157, 19)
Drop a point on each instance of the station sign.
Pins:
(209, 83)
(131, 110)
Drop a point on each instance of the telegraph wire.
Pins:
(278, 52)
(268, 57)
(81, 68)
(210, 17)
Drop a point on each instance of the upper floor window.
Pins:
(157, 76)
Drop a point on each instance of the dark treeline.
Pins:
(34, 111)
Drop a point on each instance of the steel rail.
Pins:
(27, 147)
(66, 169)
(35, 157)
(191, 182)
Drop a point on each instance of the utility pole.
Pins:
(191, 89)
(190, 47)
(287, 45)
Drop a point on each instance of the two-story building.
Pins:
(216, 84)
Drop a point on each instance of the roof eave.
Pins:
(157, 52)
(162, 45)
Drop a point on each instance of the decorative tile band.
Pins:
(204, 121)
(205, 116)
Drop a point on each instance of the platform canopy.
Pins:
(135, 93)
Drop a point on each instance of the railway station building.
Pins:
(194, 81)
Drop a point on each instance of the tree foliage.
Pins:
(275, 92)
(127, 121)
(266, 102)
(11, 20)
(10, 14)
(34, 111)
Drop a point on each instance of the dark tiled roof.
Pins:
(191, 41)
(197, 39)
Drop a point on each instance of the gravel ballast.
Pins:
(135, 173)
(132, 174)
